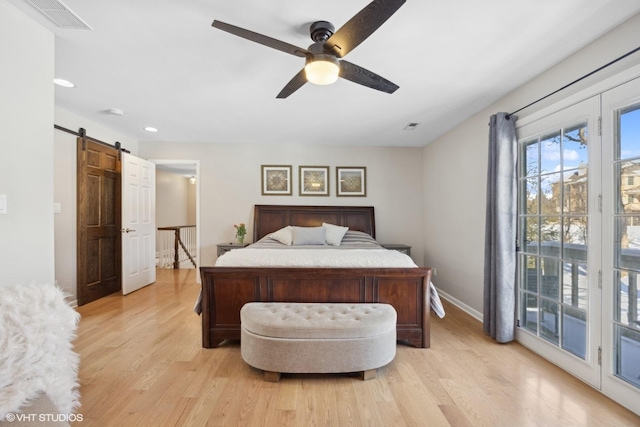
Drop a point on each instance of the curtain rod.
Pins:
(82, 133)
(575, 81)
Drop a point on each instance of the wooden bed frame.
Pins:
(226, 289)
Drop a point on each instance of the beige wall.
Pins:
(455, 168)
(229, 186)
(26, 166)
(192, 192)
(173, 196)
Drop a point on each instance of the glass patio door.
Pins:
(559, 235)
(621, 264)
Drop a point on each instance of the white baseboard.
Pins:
(462, 306)
(73, 303)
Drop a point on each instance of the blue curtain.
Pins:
(500, 234)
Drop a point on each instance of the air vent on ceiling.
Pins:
(59, 14)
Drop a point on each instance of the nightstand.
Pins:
(226, 247)
(398, 247)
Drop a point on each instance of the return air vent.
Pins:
(59, 14)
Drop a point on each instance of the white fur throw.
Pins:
(37, 327)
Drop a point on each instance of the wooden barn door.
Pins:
(99, 217)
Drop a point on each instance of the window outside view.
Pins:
(553, 236)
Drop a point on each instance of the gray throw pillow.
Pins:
(308, 235)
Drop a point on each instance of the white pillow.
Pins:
(284, 235)
(308, 236)
(334, 233)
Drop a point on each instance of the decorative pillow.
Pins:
(284, 235)
(334, 233)
(308, 236)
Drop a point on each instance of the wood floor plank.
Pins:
(288, 395)
(347, 403)
(142, 364)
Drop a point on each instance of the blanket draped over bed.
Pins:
(358, 269)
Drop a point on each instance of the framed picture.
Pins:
(314, 180)
(351, 181)
(276, 180)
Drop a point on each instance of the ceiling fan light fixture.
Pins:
(322, 69)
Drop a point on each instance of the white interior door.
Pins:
(138, 223)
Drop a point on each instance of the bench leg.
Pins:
(368, 375)
(273, 377)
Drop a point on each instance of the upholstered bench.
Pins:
(317, 337)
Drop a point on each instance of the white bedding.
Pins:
(322, 257)
(357, 250)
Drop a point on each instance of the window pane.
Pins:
(574, 331)
(621, 294)
(531, 235)
(550, 236)
(532, 196)
(575, 154)
(529, 308)
(549, 274)
(629, 133)
(627, 343)
(574, 238)
(574, 148)
(530, 161)
(628, 185)
(574, 284)
(529, 268)
(627, 299)
(550, 153)
(550, 194)
(575, 194)
(628, 242)
(549, 321)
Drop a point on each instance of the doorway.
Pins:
(178, 208)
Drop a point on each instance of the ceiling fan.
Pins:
(323, 64)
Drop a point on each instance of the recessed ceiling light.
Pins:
(151, 129)
(63, 83)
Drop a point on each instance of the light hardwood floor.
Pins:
(142, 364)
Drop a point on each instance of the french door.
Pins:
(579, 240)
(559, 233)
(621, 209)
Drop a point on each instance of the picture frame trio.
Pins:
(351, 181)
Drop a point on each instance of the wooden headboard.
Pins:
(270, 218)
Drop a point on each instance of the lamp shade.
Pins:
(322, 69)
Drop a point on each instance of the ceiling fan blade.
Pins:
(263, 40)
(361, 26)
(364, 77)
(294, 84)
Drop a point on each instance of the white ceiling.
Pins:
(163, 64)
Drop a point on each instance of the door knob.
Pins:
(126, 230)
